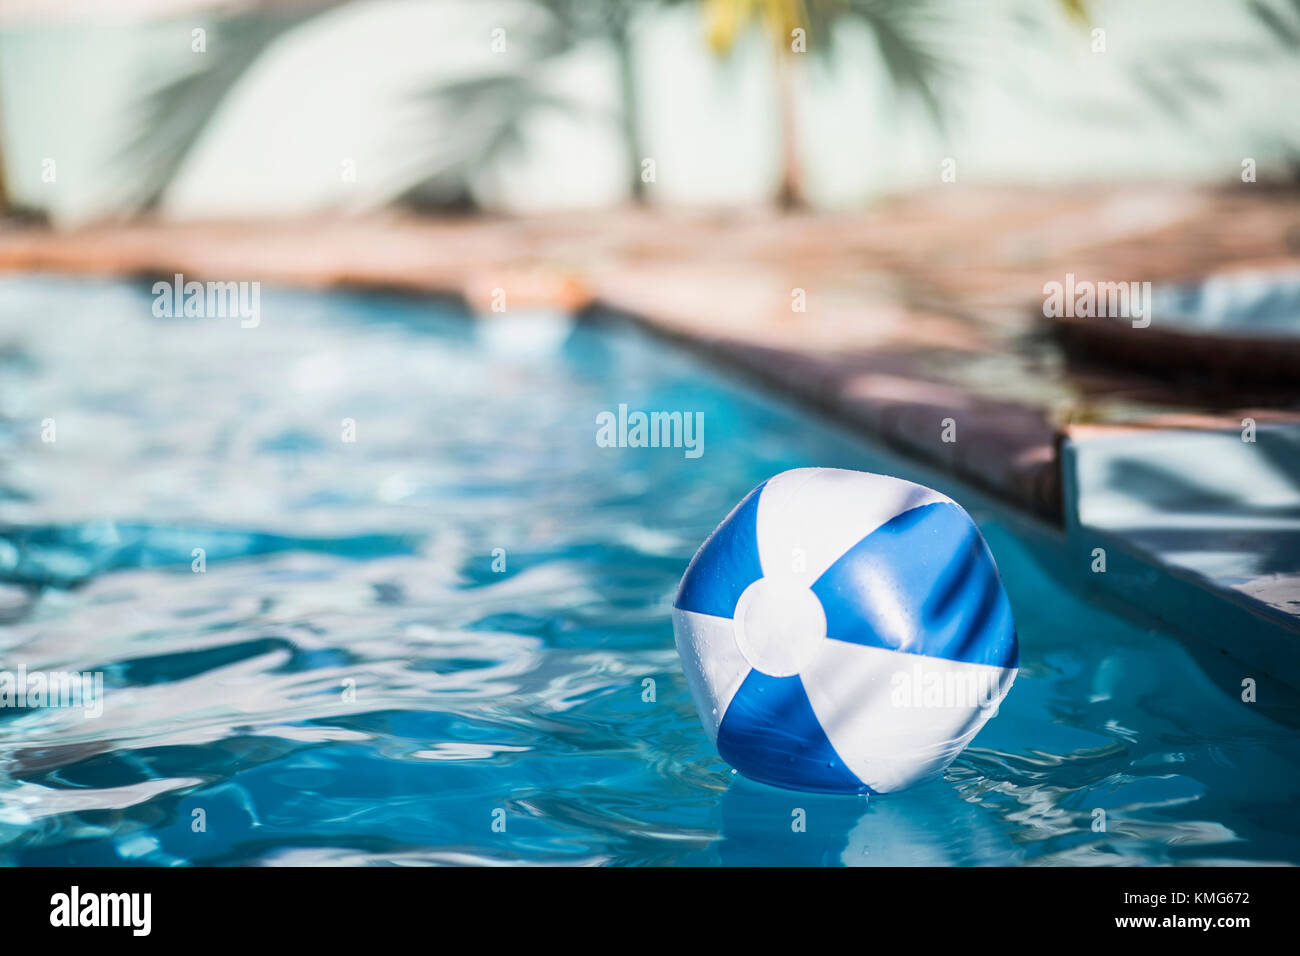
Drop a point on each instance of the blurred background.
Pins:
(186, 109)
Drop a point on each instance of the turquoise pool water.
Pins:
(349, 679)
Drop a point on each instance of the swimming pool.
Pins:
(448, 639)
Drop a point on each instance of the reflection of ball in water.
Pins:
(844, 632)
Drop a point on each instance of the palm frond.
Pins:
(906, 34)
(177, 102)
(1283, 21)
(467, 124)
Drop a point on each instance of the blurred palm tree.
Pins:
(12, 213)
(479, 116)
(174, 106)
(900, 27)
(468, 123)
(613, 21)
(904, 30)
(463, 124)
(4, 191)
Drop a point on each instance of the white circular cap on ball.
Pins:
(780, 626)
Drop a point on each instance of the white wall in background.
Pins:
(1034, 104)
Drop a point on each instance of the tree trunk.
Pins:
(631, 113)
(4, 190)
(790, 194)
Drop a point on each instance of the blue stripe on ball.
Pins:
(726, 564)
(922, 583)
(771, 732)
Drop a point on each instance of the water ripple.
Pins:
(448, 642)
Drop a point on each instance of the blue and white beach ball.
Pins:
(844, 632)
